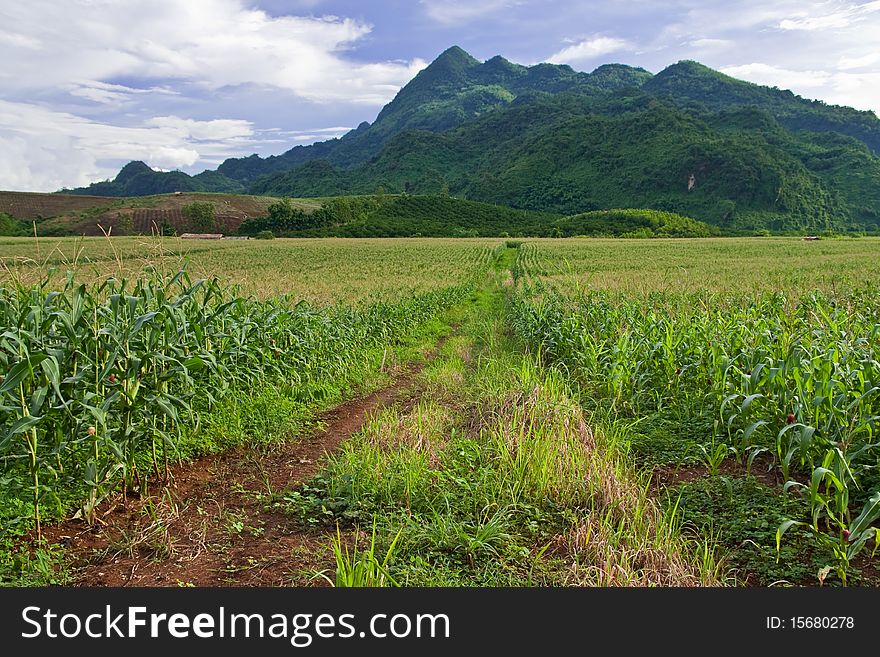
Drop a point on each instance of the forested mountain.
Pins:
(688, 140)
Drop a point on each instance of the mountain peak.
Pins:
(455, 54)
(688, 67)
(452, 63)
(500, 65)
(132, 169)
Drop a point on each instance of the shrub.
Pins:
(199, 216)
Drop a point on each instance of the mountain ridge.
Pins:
(549, 138)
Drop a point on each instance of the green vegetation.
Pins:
(321, 272)
(11, 227)
(568, 155)
(586, 419)
(689, 82)
(632, 223)
(728, 267)
(416, 216)
(496, 478)
(101, 382)
(440, 215)
(545, 138)
(137, 179)
(785, 377)
(199, 217)
(107, 384)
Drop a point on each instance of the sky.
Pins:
(88, 85)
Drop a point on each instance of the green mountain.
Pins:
(452, 90)
(692, 83)
(546, 138)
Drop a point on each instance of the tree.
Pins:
(199, 216)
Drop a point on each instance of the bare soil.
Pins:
(212, 526)
(762, 469)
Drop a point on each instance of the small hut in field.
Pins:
(202, 236)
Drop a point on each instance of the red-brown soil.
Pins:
(32, 205)
(213, 526)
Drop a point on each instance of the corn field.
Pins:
(792, 378)
(101, 382)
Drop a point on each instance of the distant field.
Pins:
(721, 265)
(342, 269)
(318, 270)
(143, 214)
(27, 205)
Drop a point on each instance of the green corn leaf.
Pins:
(37, 399)
(20, 372)
(21, 425)
(869, 514)
(780, 532)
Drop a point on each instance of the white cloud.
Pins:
(859, 90)
(845, 17)
(588, 49)
(779, 77)
(456, 12)
(710, 43)
(828, 21)
(218, 129)
(847, 63)
(105, 66)
(112, 94)
(44, 150)
(212, 43)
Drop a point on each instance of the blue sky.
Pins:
(87, 85)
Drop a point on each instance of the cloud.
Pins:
(216, 130)
(456, 12)
(112, 94)
(710, 43)
(99, 82)
(588, 49)
(847, 63)
(858, 90)
(834, 20)
(779, 77)
(828, 21)
(44, 150)
(211, 43)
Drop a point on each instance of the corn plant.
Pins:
(99, 383)
(797, 378)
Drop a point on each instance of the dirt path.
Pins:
(214, 526)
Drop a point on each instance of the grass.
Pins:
(573, 372)
(495, 476)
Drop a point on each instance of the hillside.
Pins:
(66, 214)
(440, 215)
(546, 138)
(371, 215)
(559, 156)
(690, 82)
